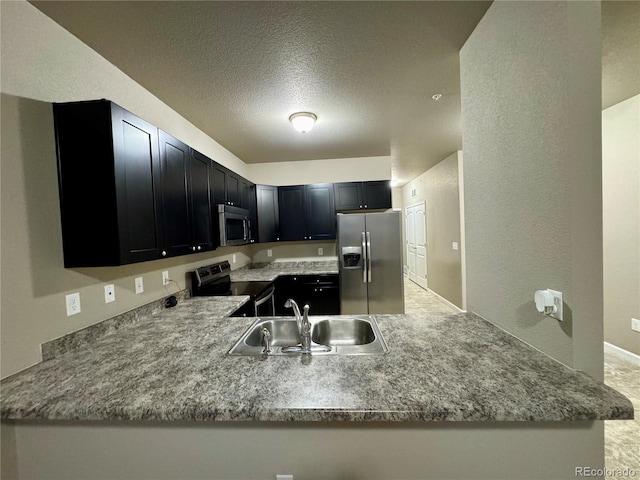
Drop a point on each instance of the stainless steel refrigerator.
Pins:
(370, 263)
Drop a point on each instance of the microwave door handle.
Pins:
(244, 229)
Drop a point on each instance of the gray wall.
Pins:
(621, 222)
(530, 78)
(338, 450)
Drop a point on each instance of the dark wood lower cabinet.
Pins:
(321, 292)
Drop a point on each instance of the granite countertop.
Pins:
(173, 366)
(268, 272)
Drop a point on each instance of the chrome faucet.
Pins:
(304, 326)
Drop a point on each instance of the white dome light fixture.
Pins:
(303, 121)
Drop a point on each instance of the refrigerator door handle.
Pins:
(365, 259)
(368, 257)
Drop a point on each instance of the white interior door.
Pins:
(420, 236)
(411, 242)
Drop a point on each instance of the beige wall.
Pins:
(530, 78)
(321, 171)
(621, 222)
(439, 188)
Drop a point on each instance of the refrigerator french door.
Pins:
(370, 263)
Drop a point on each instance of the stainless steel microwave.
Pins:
(235, 226)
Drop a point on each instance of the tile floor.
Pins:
(622, 438)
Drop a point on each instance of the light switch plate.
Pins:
(165, 277)
(454, 245)
(320, 251)
(109, 293)
(139, 285)
(269, 252)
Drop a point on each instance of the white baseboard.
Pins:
(446, 301)
(621, 352)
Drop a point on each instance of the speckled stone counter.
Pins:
(268, 272)
(174, 366)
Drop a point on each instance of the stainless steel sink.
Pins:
(344, 335)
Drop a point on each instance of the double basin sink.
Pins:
(329, 336)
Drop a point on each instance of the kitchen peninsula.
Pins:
(164, 387)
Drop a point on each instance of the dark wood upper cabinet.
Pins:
(202, 208)
(268, 213)
(307, 212)
(377, 194)
(174, 164)
(293, 212)
(372, 195)
(227, 186)
(321, 212)
(249, 201)
(109, 185)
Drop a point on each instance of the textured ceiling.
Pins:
(237, 70)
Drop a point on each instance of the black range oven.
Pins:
(214, 280)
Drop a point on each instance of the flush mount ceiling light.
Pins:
(303, 121)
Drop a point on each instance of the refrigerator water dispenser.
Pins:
(351, 257)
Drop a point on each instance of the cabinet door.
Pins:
(202, 212)
(219, 182)
(321, 213)
(348, 196)
(174, 161)
(293, 210)
(268, 215)
(138, 181)
(376, 194)
(250, 202)
(234, 189)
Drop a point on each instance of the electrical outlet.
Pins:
(139, 285)
(635, 324)
(454, 245)
(165, 277)
(233, 258)
(109, 293)
(269, 252)
(73, 303)
(559, 303)
(320, 251)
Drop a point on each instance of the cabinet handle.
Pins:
(164, 253)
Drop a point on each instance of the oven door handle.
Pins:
(268, 295)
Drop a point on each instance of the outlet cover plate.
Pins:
(109, 293)
(73, 303)
(139, 285)
(165, 277)
(559, 303)
(635, 324)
